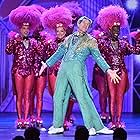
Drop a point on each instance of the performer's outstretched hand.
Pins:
(113, 74)
(43, 67)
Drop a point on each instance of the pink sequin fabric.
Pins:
(24, 58)
(47, 48)
(115, 56)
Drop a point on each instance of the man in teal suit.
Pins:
(72, 75)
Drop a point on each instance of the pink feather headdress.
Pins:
(135, 34)
(39, 8)
(75, 8)
(97, 34)
(112, 15)
(56, 16)
(24, 15)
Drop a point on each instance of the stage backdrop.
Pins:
(90, 7)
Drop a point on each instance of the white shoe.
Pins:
(42, 129)
(105, 130)
(56, 131)
(51, 128)
(92, 132)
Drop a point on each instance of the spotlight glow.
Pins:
(132, 4)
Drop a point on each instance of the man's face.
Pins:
(84, 25)
(60, 32)
(115, 31)
(24, 30)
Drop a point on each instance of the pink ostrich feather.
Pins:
(97, 34)
(110, 14)
(56, 15)
(24, 14)
(74, 7)
(135, 34)
(39, 8)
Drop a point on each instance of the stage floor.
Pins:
(8, 131)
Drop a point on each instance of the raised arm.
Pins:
(11, 44)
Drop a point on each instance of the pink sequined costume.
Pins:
(47, 47)
(40, 81)
(76, 12)
(114, 50)
(23, 49)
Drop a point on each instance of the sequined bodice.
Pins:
(23, 56)
(115, 55)
(46, 50)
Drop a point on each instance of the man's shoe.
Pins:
(105, 130)
(56, 131)
(92, 132)
(43, 129)
(52, 127)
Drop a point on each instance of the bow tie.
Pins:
(25, 38)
